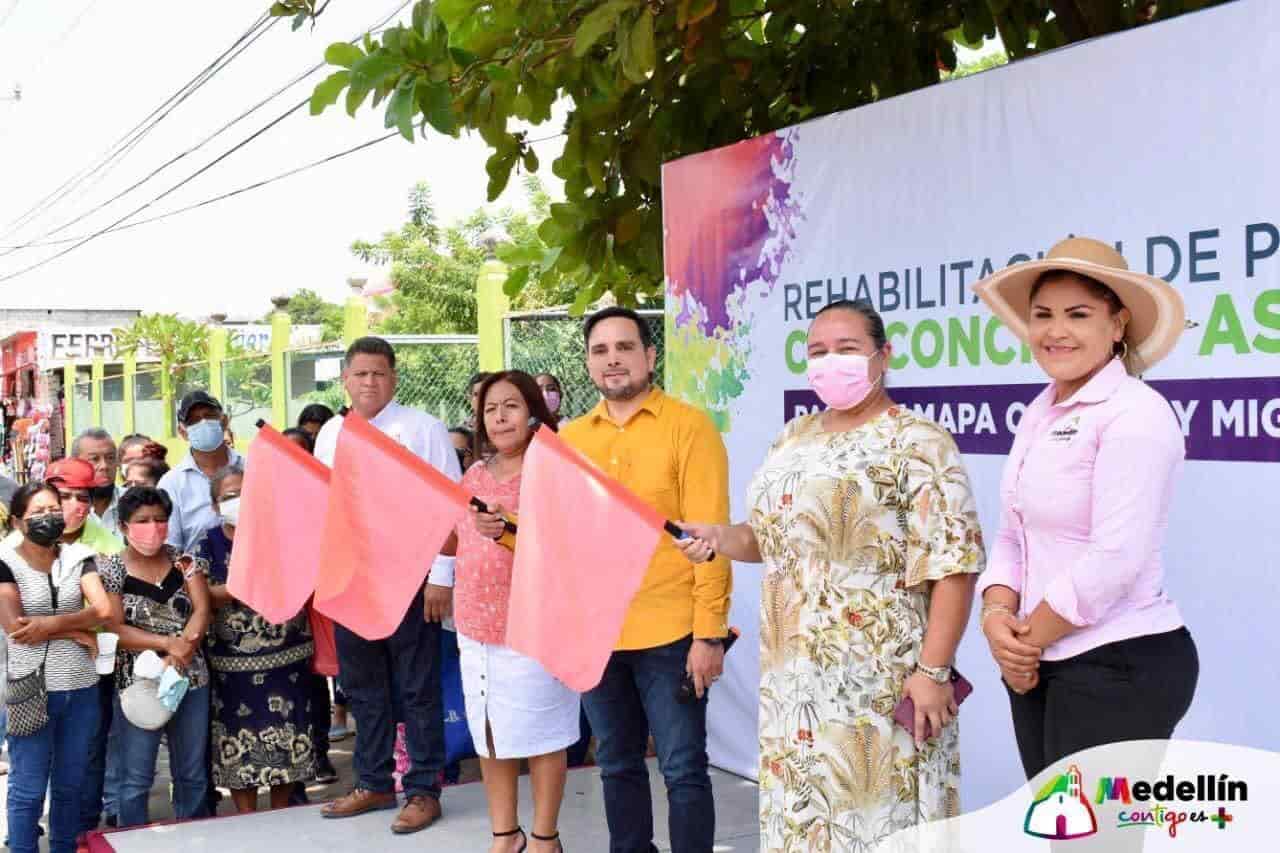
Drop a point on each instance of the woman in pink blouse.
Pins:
(515, 708)
(1090, 646)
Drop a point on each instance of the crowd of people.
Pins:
(862, 516)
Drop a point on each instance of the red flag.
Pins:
(584, 546)
(389, 512)
(325, 659)
(285, 494)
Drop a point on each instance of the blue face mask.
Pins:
(205, 436)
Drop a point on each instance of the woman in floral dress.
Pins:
(864, 520)
(262, 732)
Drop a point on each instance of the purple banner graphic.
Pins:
(1225, 420)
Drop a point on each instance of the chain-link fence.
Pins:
(433, 372)
(245, 393)
(552, 342)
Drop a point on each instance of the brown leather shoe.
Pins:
(419, 812)
(358, 802)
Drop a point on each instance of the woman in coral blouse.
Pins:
(1091, 647)
(515, 708)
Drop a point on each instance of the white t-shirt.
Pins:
(420, 433)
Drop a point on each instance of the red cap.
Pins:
(74, 474)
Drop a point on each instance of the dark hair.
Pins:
(137, 497)
(370, 345)
(865, 310)
(316, 413)
(464, 432)
(233, 470)
(550, 376)
(477, 379)
(1096, 289)
(307, 440)
(646, 336)
(528, 389)
(22, 498)
(156, 468)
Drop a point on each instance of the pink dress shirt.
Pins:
(482, 576)
(1084, 507)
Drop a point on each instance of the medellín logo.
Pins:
(1061, 811)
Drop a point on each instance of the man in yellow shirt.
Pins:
(671, 455)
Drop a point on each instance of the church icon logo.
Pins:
(1061, 811)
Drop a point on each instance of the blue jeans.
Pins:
(54, 758)
(637, 696)
(102, 782)
(373, 672)
(188, 733)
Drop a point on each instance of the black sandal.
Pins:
(517, 831)
(555, 838)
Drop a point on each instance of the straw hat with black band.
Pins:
(1158, 315)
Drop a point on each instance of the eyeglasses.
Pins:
(42, 514)
(74, 496)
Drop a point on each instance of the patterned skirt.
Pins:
(262, 726)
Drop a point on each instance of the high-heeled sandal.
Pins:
(555, 838)
(517, 831)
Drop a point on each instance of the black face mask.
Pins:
(102, 493)
(44, 530)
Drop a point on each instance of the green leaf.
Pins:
(530, 159)
(516, 280)
(342, 53)
(298, 20)
(628, 227)
(400, 108)
(327, 91)
(356, 95)
(595, 25)
(436, 102)
(643, 57)
(372, 69)
(499, 167)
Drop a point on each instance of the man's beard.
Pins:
(627, 392)
(102, 493)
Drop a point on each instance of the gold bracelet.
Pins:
(988, 609)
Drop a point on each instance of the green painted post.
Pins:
(355, 314)
(167, 431)
(280, 331)
(218, 339)
(69, 403)
(491, 310)
(130, 411)
(98, 374)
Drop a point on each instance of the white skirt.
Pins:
(530, 712)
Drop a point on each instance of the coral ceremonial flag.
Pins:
(584, 546)
(277, 554)
(389, 512)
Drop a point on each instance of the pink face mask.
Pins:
(147, 537)
(841, 380)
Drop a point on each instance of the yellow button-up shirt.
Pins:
(671, 455)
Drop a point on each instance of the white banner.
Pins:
(1162, 140)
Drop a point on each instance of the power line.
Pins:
(214, 199)
(41, 240)
(62, 37)
(128, 140)
(9, 14)
(240, 191)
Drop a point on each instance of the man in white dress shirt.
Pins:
(410, 657)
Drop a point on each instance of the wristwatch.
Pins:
(936, 674)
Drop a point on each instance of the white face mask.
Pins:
(230, 511)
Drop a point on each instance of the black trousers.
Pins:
(1135, 689)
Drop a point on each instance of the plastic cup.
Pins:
(106, 659)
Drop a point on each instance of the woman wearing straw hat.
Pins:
(1091, 648)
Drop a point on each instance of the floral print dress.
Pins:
(853, 527)
(261, 717)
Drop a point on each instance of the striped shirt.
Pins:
(53, 593)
